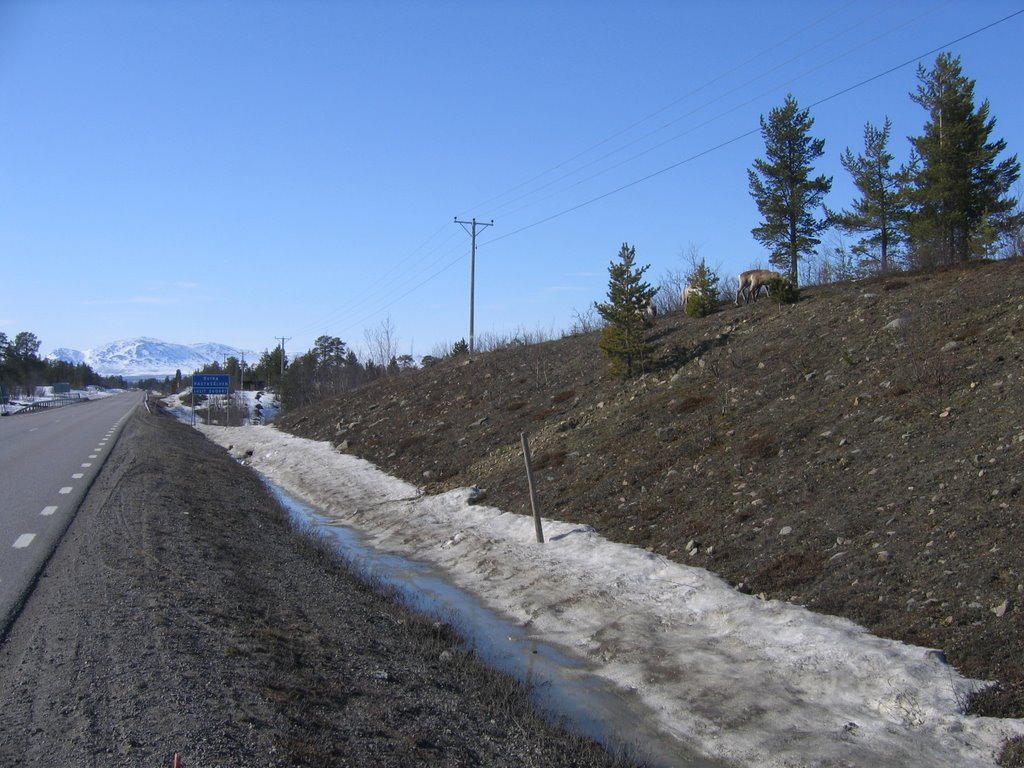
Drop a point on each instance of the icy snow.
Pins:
(753, 682)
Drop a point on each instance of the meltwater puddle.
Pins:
(559, 684)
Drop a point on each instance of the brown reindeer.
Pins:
(751, 283)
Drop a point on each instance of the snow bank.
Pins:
(762, 683)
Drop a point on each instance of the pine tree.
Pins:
(703, 299)
(881, 212)
(783, 189)
(624, 337)
(961, 202)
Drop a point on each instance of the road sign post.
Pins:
(207, 384)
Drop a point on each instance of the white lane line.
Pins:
(48, 510)
(87, 464)
(77, 476)
(92, 455)
(66, 489)
(24, 540)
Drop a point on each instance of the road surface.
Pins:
(48, 460)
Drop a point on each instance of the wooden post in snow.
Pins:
(533, 489)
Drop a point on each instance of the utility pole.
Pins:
(472, 268)
(283, 340)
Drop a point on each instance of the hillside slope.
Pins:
(860, 452)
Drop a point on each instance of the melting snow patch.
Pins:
(756, 682)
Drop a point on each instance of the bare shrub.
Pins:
(585, 321)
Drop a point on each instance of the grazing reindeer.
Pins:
(689, 291)
(751, 283)
(650, 311)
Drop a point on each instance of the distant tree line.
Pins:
(22, 369)
(329, 368)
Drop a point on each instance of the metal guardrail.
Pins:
(57, 401)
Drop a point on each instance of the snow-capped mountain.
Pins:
(145, 357)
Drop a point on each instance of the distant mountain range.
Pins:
(144, 357)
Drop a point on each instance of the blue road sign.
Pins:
(210, 384)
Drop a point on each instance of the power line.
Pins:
(663, 109)
(751, 132)
(708, 121)
(739, 137)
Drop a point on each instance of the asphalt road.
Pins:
(48, 460)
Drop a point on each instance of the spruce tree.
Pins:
(624, 337)
(783, 189)
(880, 214)
(961, 201)
(703, 299)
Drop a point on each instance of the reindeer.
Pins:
(751, 283)
(689, 291)
(650, 312)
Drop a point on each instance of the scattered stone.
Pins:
(1001, 609)
(786, 530)
(897, 325)
(950, 346)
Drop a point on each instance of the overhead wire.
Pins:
(368, 296)
(731, 110)
(751, 132)
(661, 110)
(385, 280)
(721, 96)
(418, 274)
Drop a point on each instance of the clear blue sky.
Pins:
(239, 171)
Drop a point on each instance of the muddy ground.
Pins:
(183, 614)
(860, 452)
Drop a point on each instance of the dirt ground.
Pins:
(182, 614)
(860, 452)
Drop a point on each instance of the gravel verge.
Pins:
(182, 614)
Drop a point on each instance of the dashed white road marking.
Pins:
(77, 476)
(66, 489)
(87, 464)
(24, 540)
(48, 510)
(92, 455)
